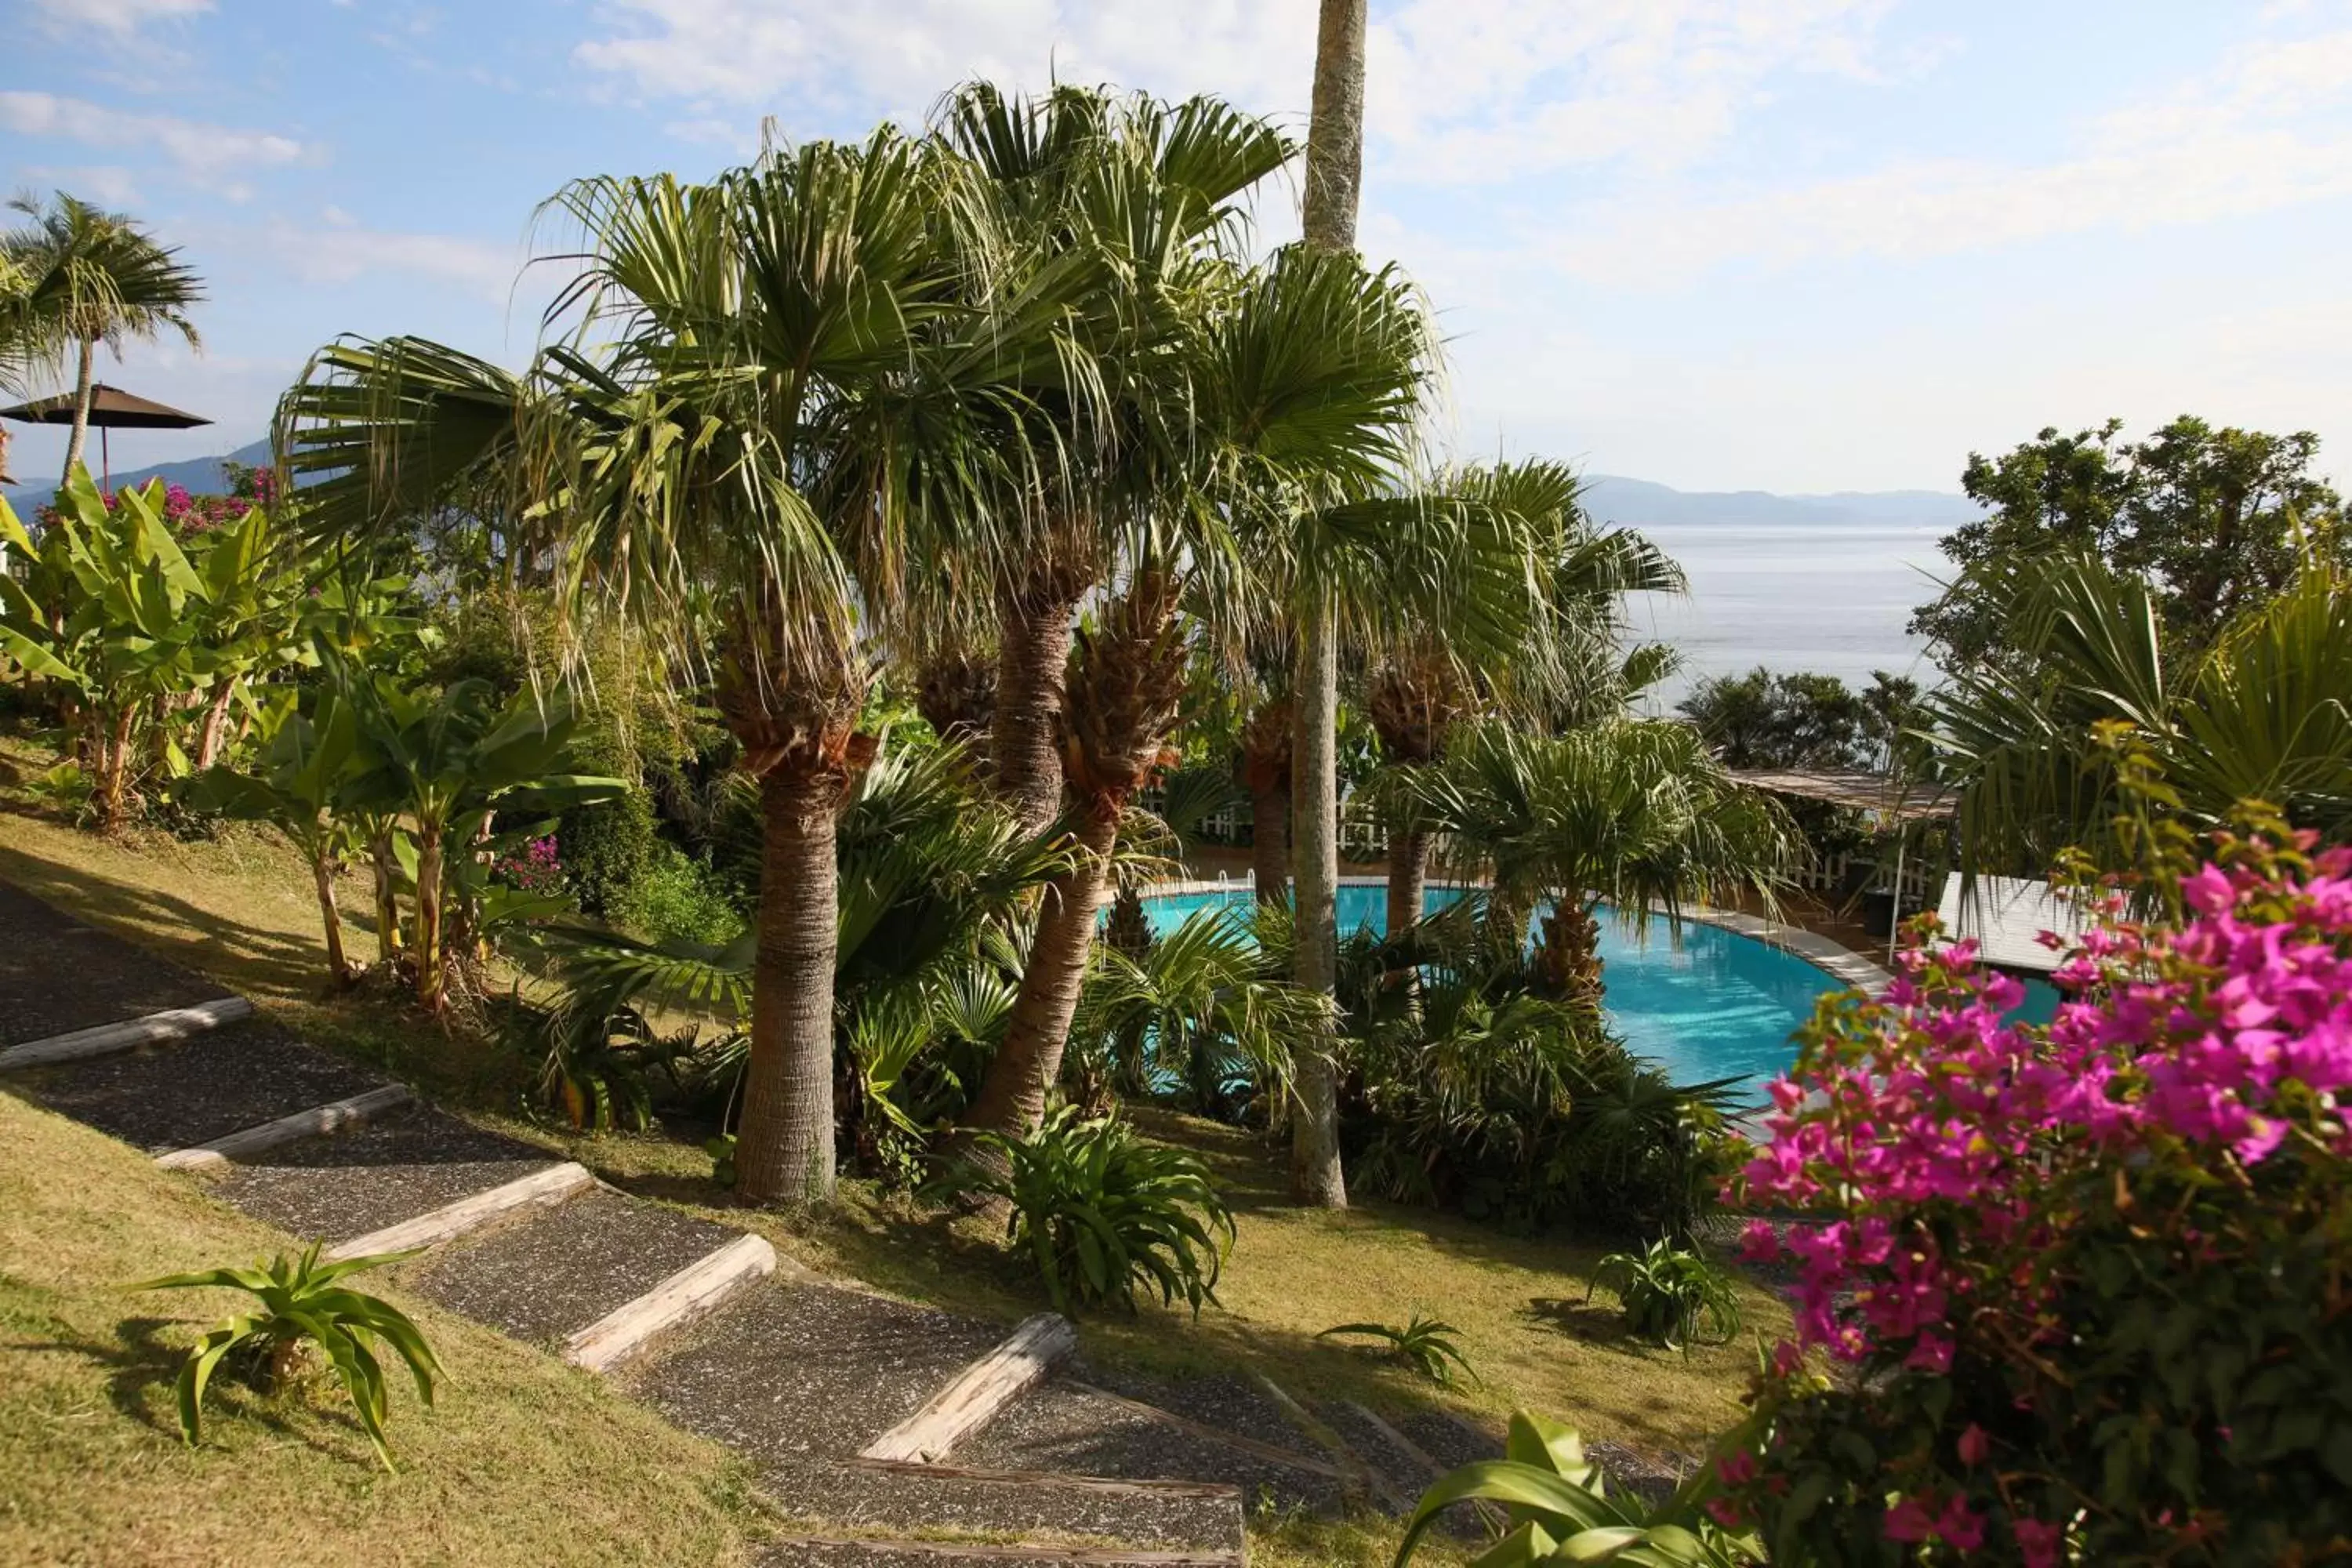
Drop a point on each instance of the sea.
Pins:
(1831, 598)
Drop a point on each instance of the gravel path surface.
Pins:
(176, 1096)
(1057, 1428)
(58, 975)
(883, 1554)
(789, 1373)
(853, 1501)
(1449, 1439)
(558, 1271)
(351, 1182)
(1230, 1402)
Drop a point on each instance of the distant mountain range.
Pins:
(1636, 503)
(202, 475)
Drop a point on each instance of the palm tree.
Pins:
(1334, 167)
(91, 277)
(1634, 813)
(1298, 383)
(2040, 749)
(1551, 657)
(1116, 212)
(749, 460)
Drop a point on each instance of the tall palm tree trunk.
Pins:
(1316, 1176)
(1012, 1097)
(1265, 774)
(784, 1143)
(1408, 877)
(1335, 163)
(81, 436)
(1033, 661)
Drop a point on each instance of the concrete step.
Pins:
(59, 976)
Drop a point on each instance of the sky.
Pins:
(1802, 246)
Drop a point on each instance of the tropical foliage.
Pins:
(1428, 1345)
(303, 1306)
(2080, 1287)
(1671, 1294)
(1102, 1211)
(1561, 1511)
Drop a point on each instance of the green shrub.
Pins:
(674, 897)
(1670, 1295)
(1561, 1511)
(1102, 1211)
(608, 847)
(303, 1305)
(1427, 1344)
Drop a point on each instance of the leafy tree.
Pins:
(2219, 518)
(89, 277)
(1801, 720)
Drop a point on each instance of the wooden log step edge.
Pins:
(687, 1295)
(1116, 1486)
(544, 1188)
(959, 1552)
(105, 1040)
(215, 1157)
(968, 1400)
(1365, 1480)
(1234, 1440)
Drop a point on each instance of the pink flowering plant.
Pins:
(2081, 1293)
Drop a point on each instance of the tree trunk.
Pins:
(1315, 1173)
(385, 865)
(1568, 956)
(784, 1152)
(1408, 877)
(1270, 842)
(81, 434)
(322, 877)
(114, 773)
(1033, 660)
(1012, 1097)
(431, 978)
(208, 736)
(1334, 167)
(1335, 130)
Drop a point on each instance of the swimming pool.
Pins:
(1717, 1005)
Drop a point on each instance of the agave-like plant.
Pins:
(1103, 1212)
(1561, 1511)
(304, 1302)
(1429, 1345)
(1671, 1294)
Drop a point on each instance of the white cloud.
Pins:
(109, 185)
(1458, 90)
(342, 252)
(2268, 128)
(122, 19)
(900, 57)
(214, 156)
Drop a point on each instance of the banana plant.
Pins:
(301, 787)
(247, 618)
(451, 761)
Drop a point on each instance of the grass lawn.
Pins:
(522, 1460)
(239, 908)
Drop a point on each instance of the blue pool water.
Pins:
(1715, 1005)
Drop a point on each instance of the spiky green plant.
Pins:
(1102, 1211)
(1426, 1344)
(1671, 1294)
(303, 1303)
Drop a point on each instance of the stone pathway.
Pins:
(799, 1374)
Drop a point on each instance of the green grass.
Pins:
(239, 908)
(522, 1460)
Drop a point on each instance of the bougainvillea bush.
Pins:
(2081, 1295)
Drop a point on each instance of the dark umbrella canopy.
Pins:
(109, 409)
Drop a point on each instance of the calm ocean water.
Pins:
(1828, 598)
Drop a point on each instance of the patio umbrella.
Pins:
(110, 408)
